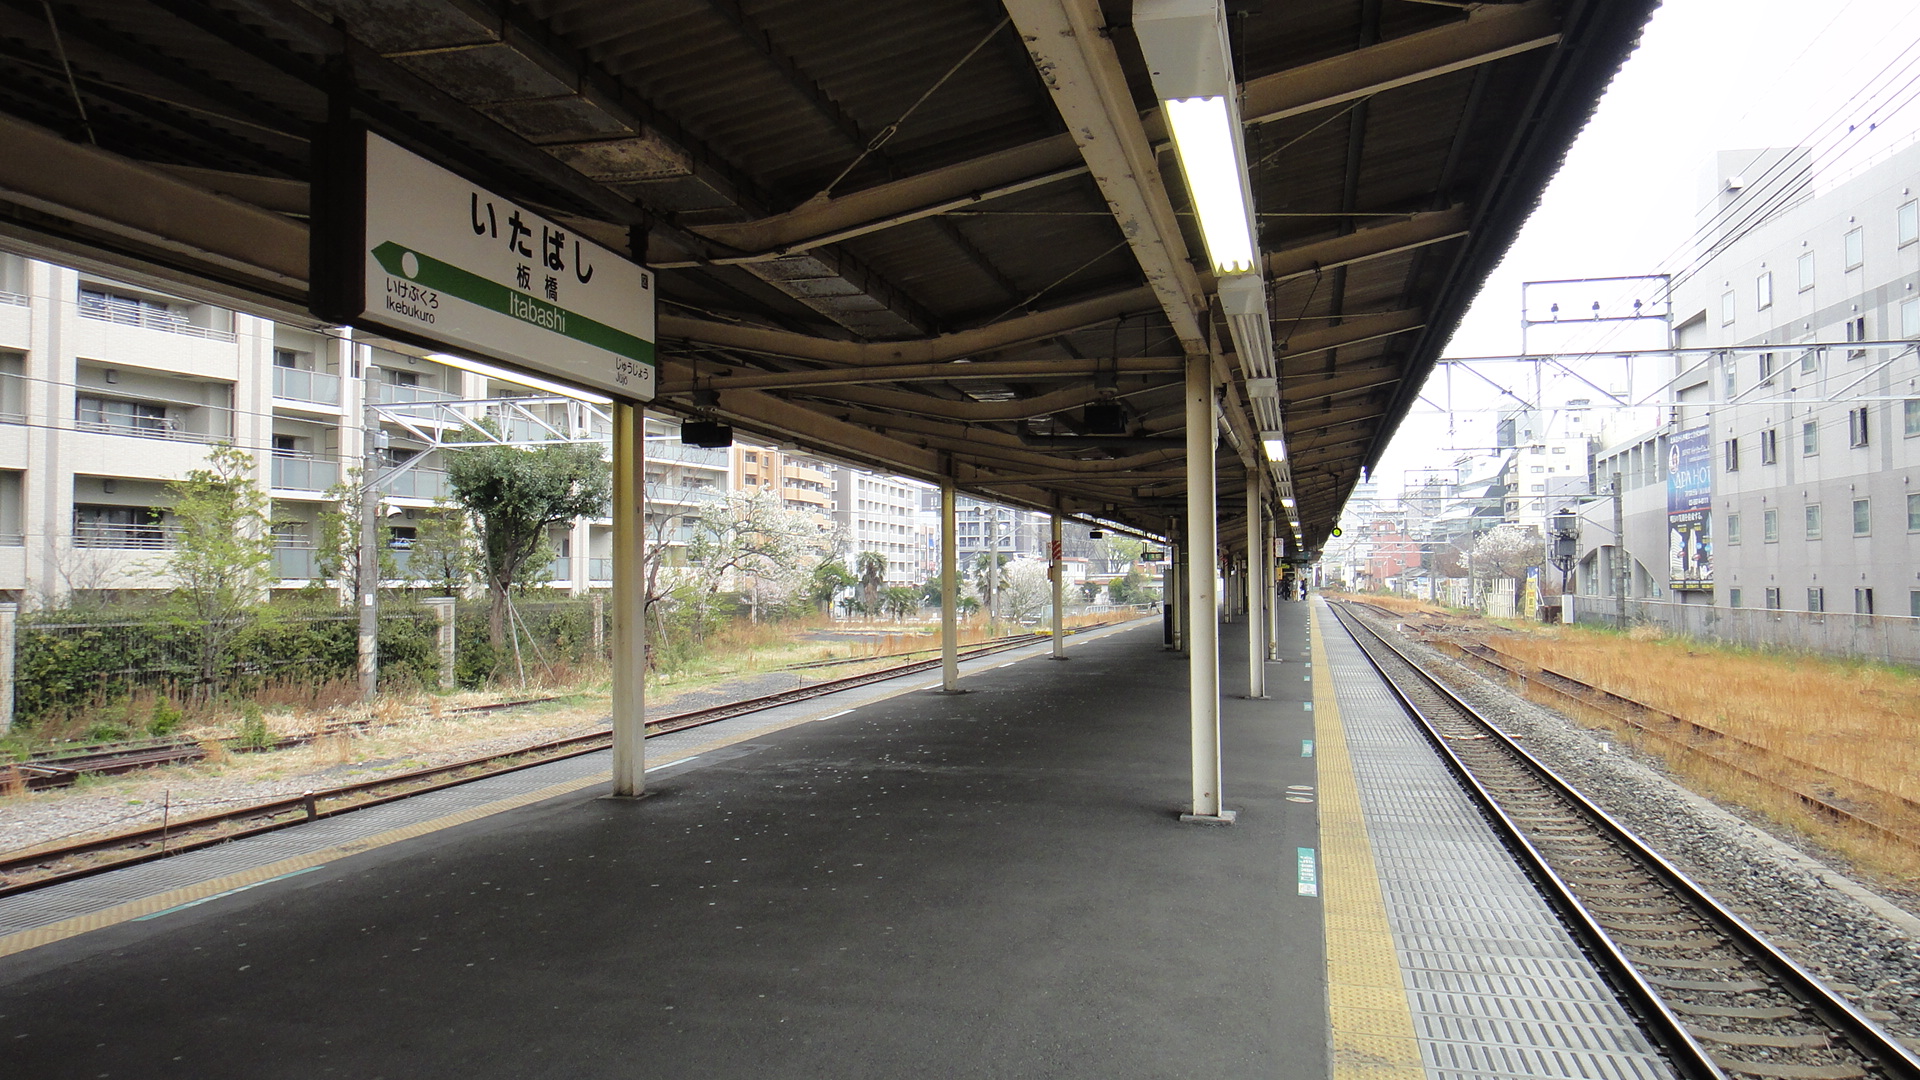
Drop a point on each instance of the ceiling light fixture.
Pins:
(1185, 44)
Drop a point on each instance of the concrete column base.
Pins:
(944, 692)
(1225, 817)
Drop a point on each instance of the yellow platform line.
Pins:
(22, 940)
(1370, 1020)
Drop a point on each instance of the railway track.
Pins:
(64, 766)
(48, 866)
(1719, 998)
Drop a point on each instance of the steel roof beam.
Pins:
(1490, 33)
(961, 343)
(1375, 243)
(1354, 330)
(949, 371)
(1083, 72)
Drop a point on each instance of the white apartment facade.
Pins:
(108, 392)
(1800, 417)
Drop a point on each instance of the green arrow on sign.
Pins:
(429, 272)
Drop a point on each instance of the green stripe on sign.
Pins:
(480, 292)
(1306, 747)
(1309, 871)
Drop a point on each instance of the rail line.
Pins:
(1716, 995)
(64, 766)
(48, 866)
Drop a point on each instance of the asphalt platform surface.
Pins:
(992, 884)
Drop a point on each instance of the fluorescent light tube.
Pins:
(1276, 447)
(521, 378)
(1203, 137)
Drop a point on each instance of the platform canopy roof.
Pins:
(921, 235)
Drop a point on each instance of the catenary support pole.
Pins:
(629, 601)
(367, 584)
(443, 608)
(1202, 616)
(1058, 571)
(9, 614)
(1256, 588)
(949, 589)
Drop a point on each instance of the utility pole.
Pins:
(1620, 566)
(367, 588)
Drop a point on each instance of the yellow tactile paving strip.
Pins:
(1370, 1021)
(173, 898)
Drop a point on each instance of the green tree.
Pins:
(827, 580)
(223, 552)
(515, 495)
(900, 601)
(443, 553)
(336, 546)
(873, 574)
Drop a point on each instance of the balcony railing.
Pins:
(418, 483)
(13, 299)
(298, 384)
(294, 473)
(386, 393)
(662, 450)
(561, 569)
(109, 309)
(98, 534)
(678, 494)
(150, 427)
(295, 562)
(600, 569)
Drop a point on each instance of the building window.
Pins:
(1856, 331)
(1733, 528)
(1769, 447)
(1856, 246)
(1726, 308)
(1913, 596)
(1766, 366)
(1816, 599)
(1773, 599)
(1559, 449)
(1763, 291)
(1810, 362)
(1913, 512)
(1733, 597)
(1910, 317)
(122, 417)
(1770, 526)
(1862, 517)
(1806, 271)
(1857, 426)
(1731, 381)
(1813, 521)
(1910, 409)
(1809, 438)
(286, 358)
(1732, 448)
(1863, 601)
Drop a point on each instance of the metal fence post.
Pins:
(443, 610)
(599, 605)
(9, 612)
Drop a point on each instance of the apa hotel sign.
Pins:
(409, 250)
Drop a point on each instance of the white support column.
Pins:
(949, 590)
(1203, 617)
(1059, 569)
(629, 601)
(1256, 588)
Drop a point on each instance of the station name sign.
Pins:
(407, 249)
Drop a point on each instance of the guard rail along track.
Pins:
(1716, 996)
(47, 866)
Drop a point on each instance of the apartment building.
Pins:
(108, 392)
(1782, 475)
(880, 513)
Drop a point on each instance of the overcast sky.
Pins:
(1709, 75)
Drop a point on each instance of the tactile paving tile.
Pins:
(1496, 985)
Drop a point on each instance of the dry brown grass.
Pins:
(1853, 720)
(1405, 605)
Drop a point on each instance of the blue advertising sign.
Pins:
(1690, 509)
